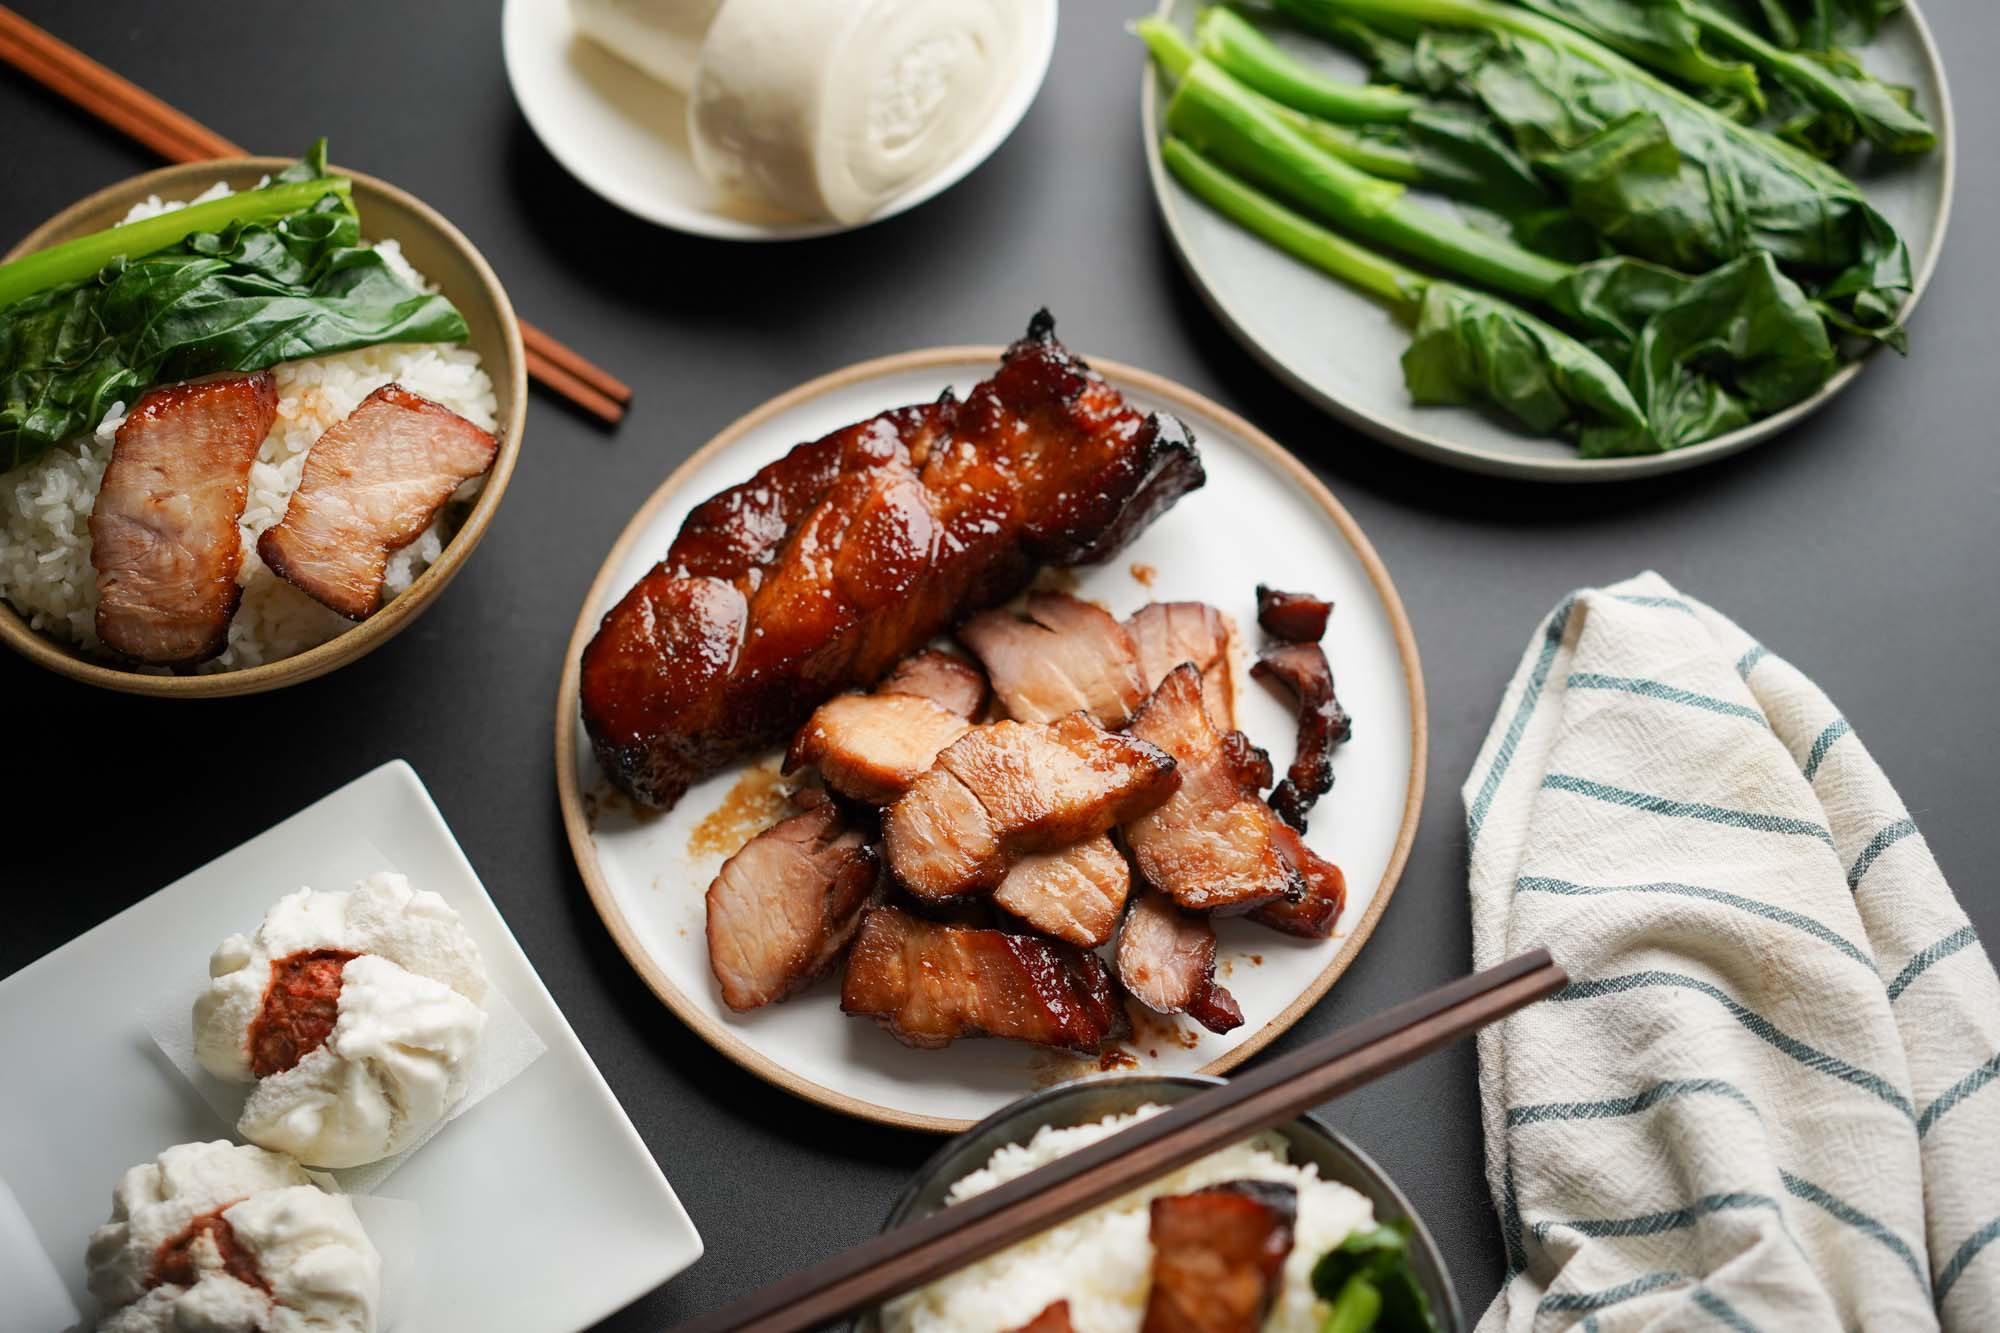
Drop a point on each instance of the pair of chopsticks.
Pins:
(904, 1259)
(125, 106)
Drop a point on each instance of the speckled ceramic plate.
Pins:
(647, 873)
(1343, 350)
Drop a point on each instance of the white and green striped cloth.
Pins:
(1770, 1096)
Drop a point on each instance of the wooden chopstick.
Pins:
(125, 106)
(906, 1258)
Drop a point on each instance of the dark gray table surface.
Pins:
(1861, 546)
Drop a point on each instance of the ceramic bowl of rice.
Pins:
(278, 636)
(1101, 1262)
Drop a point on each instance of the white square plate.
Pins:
(542, 1210)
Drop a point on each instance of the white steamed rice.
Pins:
(1102, 1262)
(45, 506)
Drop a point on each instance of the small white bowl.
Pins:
(624, 135)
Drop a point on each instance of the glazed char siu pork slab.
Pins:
(1212, 846)
(1074, 894)
(1011, 788)
(930, 984)
(1302, 669)
(829, 566)
(370, 487)
(1219, 1256)
(1166, 634)
(781, 909)
(1166, 959)
(163, 530)
(1063, 655)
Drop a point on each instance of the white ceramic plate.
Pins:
(544, 1182)
(624, 135)
(1261, 517)
(1343, 350)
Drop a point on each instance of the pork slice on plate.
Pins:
(1212, 846)
(930, 984)
(1312, 916)
(1054, 1318)
(781, 909)
(1015, 787)
(1302, 669)
(1061, 656)
(163, 531)
(370, 487)
(1219, 1257)
(1167, 634)
(871, 747)
(1166, 959)
(1074, 893)
(944, 678)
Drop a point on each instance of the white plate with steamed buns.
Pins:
(623, 132)
(545, 1181)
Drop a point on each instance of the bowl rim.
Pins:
(1453, 1317)
(510, 379)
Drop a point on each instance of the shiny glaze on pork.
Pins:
(163, 530)
(1166, 961)
(1074, 893)
(781, 909)
(832, 564)
(1302, 669)
(930, 984)
(1059, 656)
(1219, 1257)
(1212, 845)
(1312, 916)
(1295, 617)
(370, 487)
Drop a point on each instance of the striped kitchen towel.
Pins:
(1770, 1096)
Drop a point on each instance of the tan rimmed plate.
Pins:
(1262, 516)
(1343, 350)
(442, 254)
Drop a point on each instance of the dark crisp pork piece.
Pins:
(931, 984)
(163, 532)
(1170, 633)
(1295, 617)
(1219, 1257)
(828, 567)
(1302, 668)
(1166, 959)
(1249, 761)
(1064, 656)
(371, 485)
(783, 907)
(1074, 894)
(1212, 846)
(948, 681)
(1010, 788)
(1313, 916)
(873, 746)
(1054, 1319)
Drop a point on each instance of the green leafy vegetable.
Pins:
(1378, 1258)
(1469, 346)
(1729, 189)
(1660, 34)
(240, 283)
(1234, 43)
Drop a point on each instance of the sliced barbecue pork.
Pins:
(1010, 788)
(829, 566)
(931, 984)
(1166, 959)
(1167, 634)
(1074, 893)
(1212, 845)
(370, 487)
(946, 680)
(1063, 655)
(1312, 916)
(1303, 670)
(1219, 1257)
(873, 746)
(781, 909)
(1295, 617)
(163, 530)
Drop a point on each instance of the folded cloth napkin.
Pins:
(1770, 1096)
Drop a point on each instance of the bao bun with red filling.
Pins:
(355, 1014)
(231, 1239)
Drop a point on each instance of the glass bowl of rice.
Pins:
(278, 636)
(1101, 1262)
